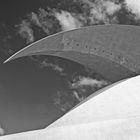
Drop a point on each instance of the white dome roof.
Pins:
(113, 114)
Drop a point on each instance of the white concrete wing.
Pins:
(114, 114)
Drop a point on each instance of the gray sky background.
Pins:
(26, 87)
(26, 95)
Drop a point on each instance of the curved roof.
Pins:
(111, 50)
(113, 114)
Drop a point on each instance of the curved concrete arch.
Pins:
(111, 50)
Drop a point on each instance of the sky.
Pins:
(34, 92)
(26, 95)
(23, 22)
(12, 10)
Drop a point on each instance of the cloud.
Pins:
(25, 31)
(133, 6)
(77, 92)
(35, 19)
(44, 19)
(101, 10)
(55, 67)
(87, 81)
(78, 96)
(80, 86)
(2, 132)
(111, 7)
(51, 21)
(64, 100)
(67, 20)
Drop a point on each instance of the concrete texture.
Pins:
(111, 50)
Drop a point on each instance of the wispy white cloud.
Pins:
(78, 97)
(35, 19)
(133, 6)
(51, 20)
(25, 31)
(54, 66)
(2, 131)
(111, 7)
(87, 81)
(100, 10)
(67, 20)
(45, 20)
(78, 91)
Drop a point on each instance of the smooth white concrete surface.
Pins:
(112, 115)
